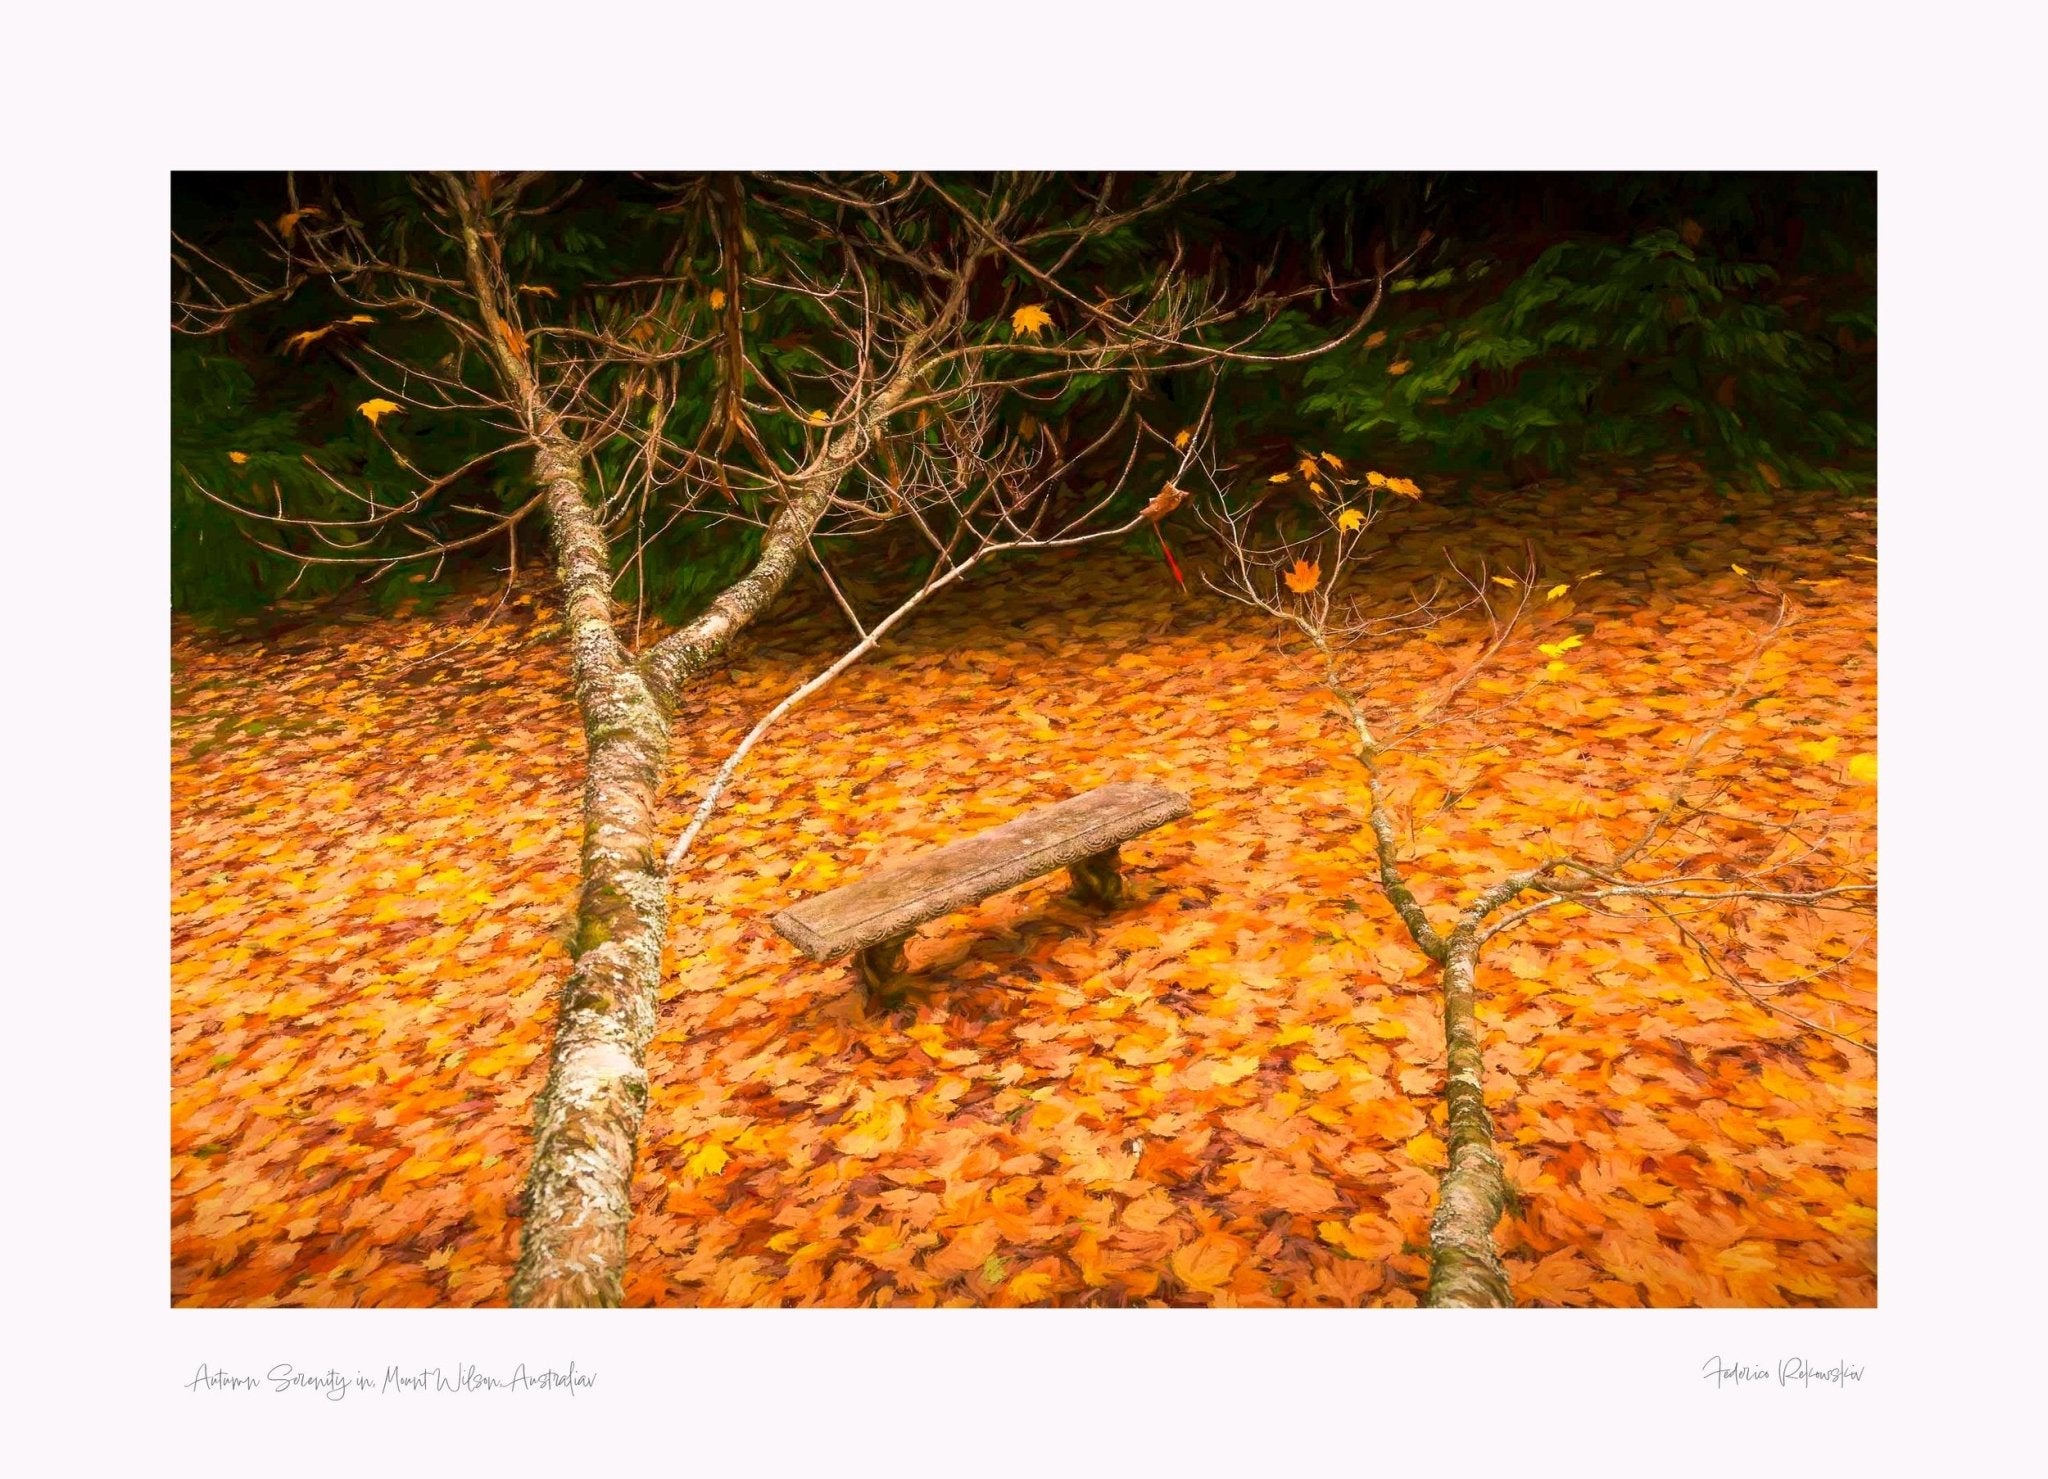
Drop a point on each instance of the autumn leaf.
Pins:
(1510, 584)
(717, 299)
(1406, 487)
(537, 290)
(1863, 768)
(1030, 321)
(1556, 591)
(514, 340)
(289, 221)
(1738, 570)
(1335, 462)
(1769, 474)
(1400, 367)
(1350, 519)
(1821, 751)
(1303, 577)
(707, 1160)
(359, 318)
(1558, 649)
(1425, 1150)
(881, 1128)
(1181, 438)
(1205, 1265)
(238, 458)
(1280, 477)
(301, 342)
(1164, 502)
(371, 410)
(1375, 339)
(1030, 1287)
(1375, 480)
(820, 418)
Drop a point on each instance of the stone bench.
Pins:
(872, 917)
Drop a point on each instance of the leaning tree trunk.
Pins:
(1465, 1271)
(577, 1201)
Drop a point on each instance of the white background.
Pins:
(102, 106)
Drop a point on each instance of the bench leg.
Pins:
(1098, 879)
(882, 970)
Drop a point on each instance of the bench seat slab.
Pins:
(1081, 833)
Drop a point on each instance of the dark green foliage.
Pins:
(1598, 348)
(1730, 319)
(215, 565)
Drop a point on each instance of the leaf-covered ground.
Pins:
(1226, 1093)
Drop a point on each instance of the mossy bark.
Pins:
(577, 1203)
(1465, 1271)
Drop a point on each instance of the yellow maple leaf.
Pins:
(1336, 462)
(1556, 591)
(1503, 580)
(1233, 1069)
(879, 1129)
(1280, 477)
(300, 343)
(708, 1160)
(372, 409)
(1181, 438)
(819, 416)
(1426, 1150)
(1821, 751)
(359, 318)
(1406, 487)
(1738, 570)
(1303, 577)
(1863, 768)
(1308, 468)
(1400, 367)
(1030, 320)
(1029, 1287)
(1591, 573)
(238, 458)
(1350, 519)
(1556, 669)
(1375, 480)
(1558, 649)
(717, 299)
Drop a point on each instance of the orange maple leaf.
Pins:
(1303, 577)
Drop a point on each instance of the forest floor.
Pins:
(1226, 1093)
